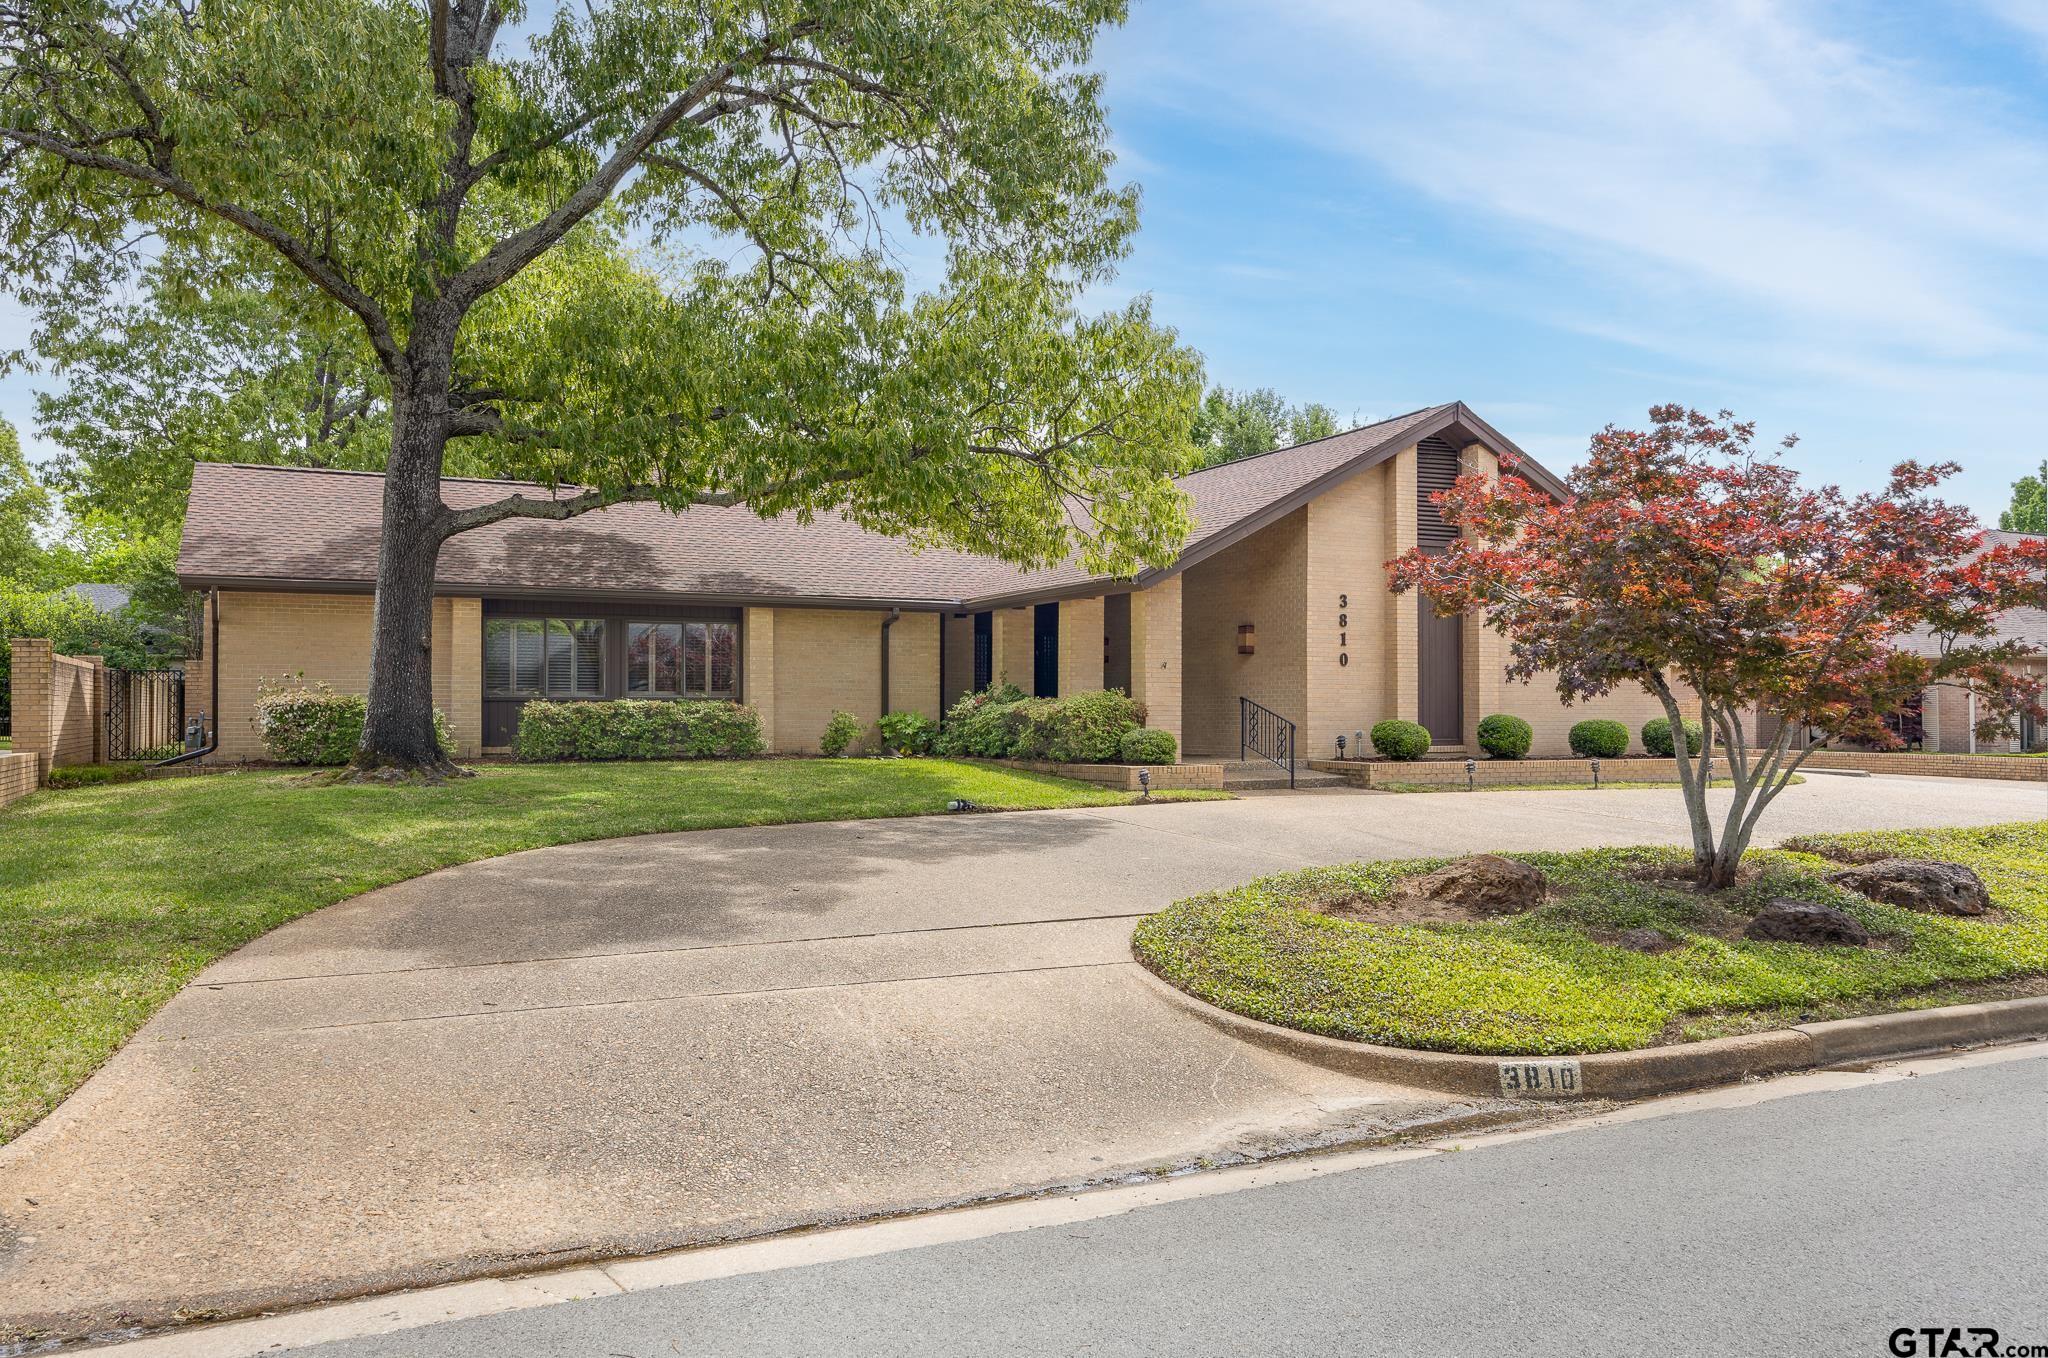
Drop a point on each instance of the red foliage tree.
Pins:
(1685, 561)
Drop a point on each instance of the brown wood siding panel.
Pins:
(1441, 686)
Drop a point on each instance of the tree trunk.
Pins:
(398, 729)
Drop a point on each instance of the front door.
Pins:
(1045, 651)
(1442, 676)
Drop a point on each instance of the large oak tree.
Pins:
(638, 249)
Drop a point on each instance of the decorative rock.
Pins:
(1788, 921)
(1918, 884)
(1486, 884)
(1645, 940)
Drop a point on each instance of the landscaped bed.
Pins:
(1346, 952)
(113, 897)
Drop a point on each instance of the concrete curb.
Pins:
(1652, 1070)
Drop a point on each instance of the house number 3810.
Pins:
(1343, 624)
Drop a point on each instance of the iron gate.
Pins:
(145, 713)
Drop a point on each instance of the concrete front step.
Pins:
(1256, 775)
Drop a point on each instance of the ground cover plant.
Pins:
(1300, 948)
(113, 897)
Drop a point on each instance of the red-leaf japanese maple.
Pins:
(1688, 562)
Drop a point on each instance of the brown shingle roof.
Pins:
(249, 525)
(2028, 626)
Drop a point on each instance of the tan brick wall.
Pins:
(1157, 656)
(914, 664)
(959, 648)
(58, 704)
(1010, 647)
(757, 670)
(326, 638)
(830, 659)
(1350, 612)
(1081, 645)
(1263, 581)
(18, 775)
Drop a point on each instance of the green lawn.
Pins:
(113, 897)
(1546, 982)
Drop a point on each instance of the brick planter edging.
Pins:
(1165, 777)
(1504, 772)
(2008, 768)
(1648, 1070)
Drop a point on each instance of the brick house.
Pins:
(1278, 597)
(1945, 718)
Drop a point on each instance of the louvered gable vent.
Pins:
(1436, 466)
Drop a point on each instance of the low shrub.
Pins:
(1400, 739)
(907, 732)
(1082, 728)
(1505, 737)
(93, 775)
(1143, 745)
(1657, 737)
(309, 723)
(637, 728)
(1598, 738)
(841, 730)
(978, 724)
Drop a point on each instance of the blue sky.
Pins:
(1832, 218)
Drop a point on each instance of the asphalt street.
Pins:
(1819, 1223)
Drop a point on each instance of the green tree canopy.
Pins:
(2029, 511)
(24, 505)
(1234, 424)
(462, 204)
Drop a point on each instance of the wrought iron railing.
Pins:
(145, 712)
(1263, 732)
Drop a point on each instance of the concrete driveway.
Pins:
(637, 1044)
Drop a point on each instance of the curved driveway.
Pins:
(635, 1044)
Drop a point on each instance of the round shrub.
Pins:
(841, 730)
(1505, 737)
(1657, 737)
(1598, 738)
(309, 723)
(1400, 739)
(907, 732)
(1147, 746)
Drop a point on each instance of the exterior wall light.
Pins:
(1247, 639)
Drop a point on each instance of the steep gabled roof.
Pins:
(283, 527)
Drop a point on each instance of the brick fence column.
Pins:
(96, 701)
(34, 729)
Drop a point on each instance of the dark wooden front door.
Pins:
(1442, 676)
(1045, 651)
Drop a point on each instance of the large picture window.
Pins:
(544, 658)
(681, 659)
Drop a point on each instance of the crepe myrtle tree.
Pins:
(1684, 561)
(464, 200)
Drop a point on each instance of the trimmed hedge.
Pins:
(1599, 738)
(907, 732)
(1657, 737)
(1400, 739)
(1505, 737)
(312, 724)
(1147, 746)
(1001, 723)
(637, 728)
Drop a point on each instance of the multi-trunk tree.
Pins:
(638, 250)
(1685, 562)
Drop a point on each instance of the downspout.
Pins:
(213, 692)
(887, 623)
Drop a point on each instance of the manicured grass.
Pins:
(113, 897)
(1549, 981)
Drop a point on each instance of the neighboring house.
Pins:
(105, 598)
(1279, 596)
(1945, 719)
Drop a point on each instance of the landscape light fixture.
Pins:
(1471, 770)
(1144, 785)
(1596, 772)
(1340, 747)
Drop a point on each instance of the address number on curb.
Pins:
(1541, 1079)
